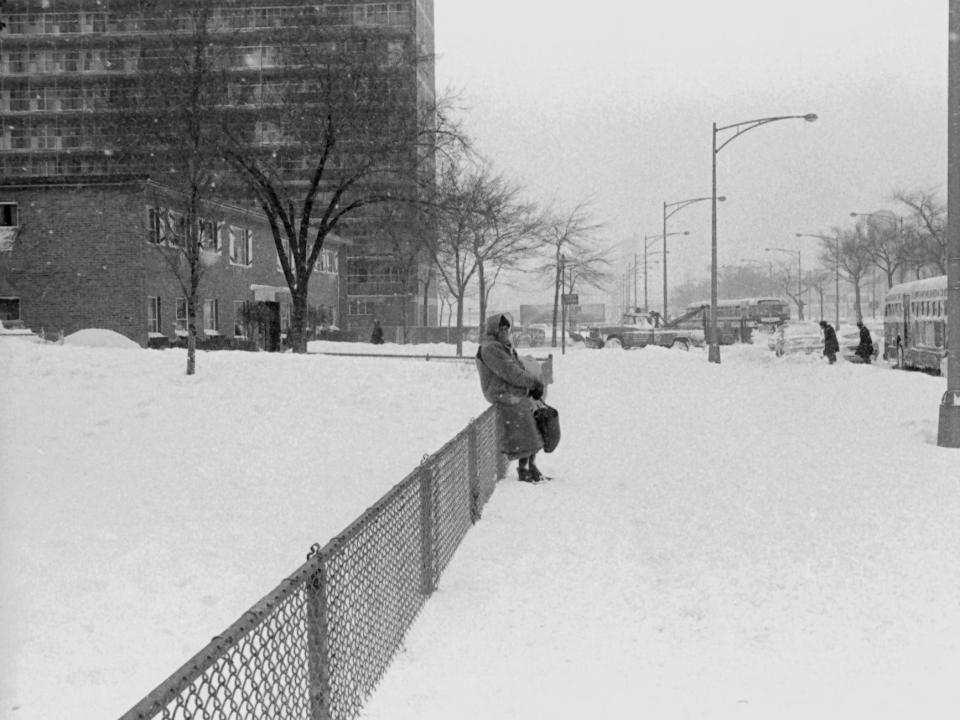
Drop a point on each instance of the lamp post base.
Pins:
(713, 354)
(948, 432)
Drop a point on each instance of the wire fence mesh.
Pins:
(317, 645)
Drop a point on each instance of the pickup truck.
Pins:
(638, 329)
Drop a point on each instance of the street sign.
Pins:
(570, 299)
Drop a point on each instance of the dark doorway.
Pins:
(270, 326)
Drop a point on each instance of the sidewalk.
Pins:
(705, 551)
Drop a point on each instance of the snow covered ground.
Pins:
(761, 538)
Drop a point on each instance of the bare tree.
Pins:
(507, 232)
(318, 147)
(789, 286)
(456, 208)
(178, 91)
(929, 215)
(573, 235)
(854, 260)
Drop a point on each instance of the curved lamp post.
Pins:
(948, 430)
(738, 129)
(646, 246)
(799, 276)
(677, 207)
(836, 269)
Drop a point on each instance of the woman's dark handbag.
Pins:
(548, 423)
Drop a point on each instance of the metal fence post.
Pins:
(473, 467)
(546, 370)
(502, 461)
(318, 646)
(428, 551)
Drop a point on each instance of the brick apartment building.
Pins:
(70, 70)
(97, 253)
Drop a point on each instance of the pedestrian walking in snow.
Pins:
(506, 384)
(376, 337)
(830, 345)
(865, 349)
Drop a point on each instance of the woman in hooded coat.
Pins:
(509, 386)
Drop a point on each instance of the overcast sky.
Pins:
(615, 100)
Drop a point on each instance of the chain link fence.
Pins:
(318, 644)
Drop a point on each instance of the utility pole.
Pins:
(948, 432)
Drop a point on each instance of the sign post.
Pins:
(567, 299)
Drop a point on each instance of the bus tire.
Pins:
(613, 343)
(680, 344)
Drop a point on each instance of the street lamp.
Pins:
(677, 207)
(948, 429)
(648, 240)
(738, 129)
(836, 268)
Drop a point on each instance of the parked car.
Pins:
(798, 337)
(529, 336)
(849, 339)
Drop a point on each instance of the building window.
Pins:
(239, 329)
(180, 321)
(153, 314)
(211, 317)
(9, 214)
(210, 235)
(153, 226)
(166, 227)
(241, 246)
(362, 307)
(328, 261)
(10, 309)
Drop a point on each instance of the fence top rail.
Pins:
(168, 690)
(427, 356)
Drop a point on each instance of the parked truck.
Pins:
(638, 328)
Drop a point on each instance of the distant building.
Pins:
(98, 254)
(71, 71)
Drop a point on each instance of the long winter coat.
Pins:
(506, 384)
(865, 348)
(830, 344)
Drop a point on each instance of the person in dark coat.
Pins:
(830, 345)
(376, 337)
(865, 349)
(508, 385)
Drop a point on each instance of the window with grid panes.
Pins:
(153, 314)
(180, 321)
(211, 316)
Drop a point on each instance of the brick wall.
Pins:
(74, 263)
(82, 259)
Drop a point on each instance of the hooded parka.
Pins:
(506, 384)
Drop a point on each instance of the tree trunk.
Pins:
(856, 300)
(191, 333)
(460, 326)
(482, 286)
(426, 304)
(297, 332)
(192, 243)
(556, 301)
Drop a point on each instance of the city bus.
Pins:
(915, 324)
(738, 319)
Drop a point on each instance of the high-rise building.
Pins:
(79, 80)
